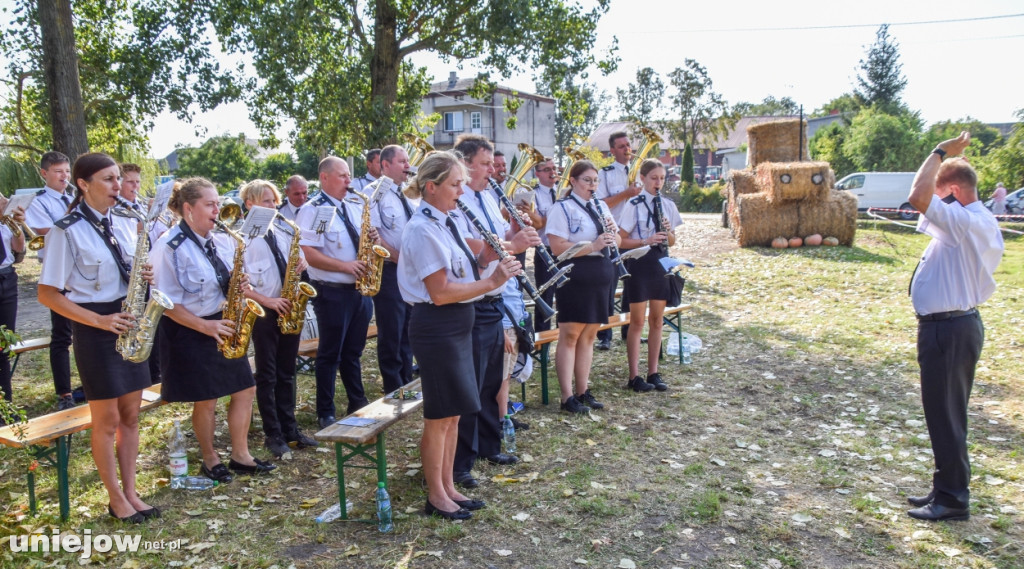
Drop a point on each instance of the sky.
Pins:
(956, 63)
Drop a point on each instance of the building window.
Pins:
(453, 122)
(474, 120)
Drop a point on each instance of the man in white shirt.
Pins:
(296, 191)
(954, 276)
(500, 168)
(372, 171)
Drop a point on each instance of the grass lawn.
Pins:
(792, 441)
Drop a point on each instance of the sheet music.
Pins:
(258, 221)
(635, 253)
(16, 200)
(163, 195)
(571, 251)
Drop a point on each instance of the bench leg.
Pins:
(14, 364)
(31, 492)
(63, 452)
(378, 458)
(544, 356)
(382, 461)
(340, 458)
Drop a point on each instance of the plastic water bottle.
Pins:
(330, 514)
(178, 456)
(193, 483)
(687, 359)
(508, 431)
(384, 510)
(672, 347)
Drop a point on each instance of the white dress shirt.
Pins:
(638, 218)
(185, 274)
(543, 199)
(79, 261)
(260, 264)
(569, 220)
(611, 181)
(335, 242)
(46, 209)
(389, 217)
(289, 211)
(428, 246)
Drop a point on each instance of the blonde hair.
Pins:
(957, 171)
(436, 168)
(188, 192)
(254, 192)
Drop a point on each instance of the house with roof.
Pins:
(460, 113)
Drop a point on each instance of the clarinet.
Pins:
(659, 215)
(620, 265)
(542, 307)
(560, 278)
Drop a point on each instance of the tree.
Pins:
(641, 99)
(881, 79)
(60, 71)
(880, 142)
(578, 110)
(827, 146)
(340, 71)
(686, 176)
(136, 58)
(770, 106)
(698, 110)
(277, 168)
(843, 104)
(1004, 164)
(225, 160)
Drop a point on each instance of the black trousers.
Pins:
(275, 377)
(948, 351)
(394, 355)
(8, 318)
(542, 273)
(60, 355)
(480, 433)
(342, 315)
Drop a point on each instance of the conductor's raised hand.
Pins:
(956, 146)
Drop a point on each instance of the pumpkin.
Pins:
(812, 240)
(780, 243)
(830, 241)
(795, 242)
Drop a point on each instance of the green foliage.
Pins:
(277, 168)
(16, 174)
(226, 160)
(578, 110)
(640, 100)
(1004, 164)
(880, 142)
(687, 165)
(845, 103)
(827, 145)
(881, 79)
(984, 138)
(694, 198)
(696, 108)
(770, 106)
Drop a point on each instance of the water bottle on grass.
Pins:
(508, 431)
(178, 456)
(384, 509)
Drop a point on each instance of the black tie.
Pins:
(483, 208)
(223, 274)
(282, 265)
(405, 205)
(67, 203)
(3, 250)
(115, 249)
(599, 223)
(462, 245)
(553, 196)
(352, 233)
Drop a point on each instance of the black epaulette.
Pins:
(68, 220)
(176, 241)
(41, 192)
(609, 168)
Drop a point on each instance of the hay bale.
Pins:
(739, 182)
(794, 181)
(756, 221)
(776, 141)
(835, 216)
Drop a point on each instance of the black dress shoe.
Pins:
(604, 345)
(919, 501)
(277, 447)
(302, 441)
(520, 425)
(938, 513)
(471, 504)
(466, 480)
(153, 512)
(639, 385)
(136, 518)
(220, 473)
(655, 380)
(327, 421)
(503, 459)
(261, 467)
(460, 514)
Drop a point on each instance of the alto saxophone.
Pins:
(238, 309)
(373, 255)
(293, 289)
(136, 343)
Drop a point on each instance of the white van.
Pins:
(880, 189)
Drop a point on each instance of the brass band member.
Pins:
(544, 197)
(192, 267)
(296, 190)
(613, 191)
(438, 275)
(372, 170)
(12, 250)
(581, 302)
(88, 256)
(647, 220)
(266, 260)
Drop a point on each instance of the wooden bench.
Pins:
(367, 441)
(307, 351)
(542, 342)
(27, 346)
(48, 438)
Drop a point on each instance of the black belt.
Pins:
(8, 270)
(946, 315)
(342, 286)
(489, 300)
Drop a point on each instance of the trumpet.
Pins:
(35, 241)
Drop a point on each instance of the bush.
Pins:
(693, 198)
(15, 175)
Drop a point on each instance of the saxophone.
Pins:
(238, 309)
(293, 289)
(369, 253)
(136, 343)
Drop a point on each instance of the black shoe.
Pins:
(655, 380)
(465, 480)
(220, 473)
(604, 345)
(261, 467)
(136, 518)
(65, 402)
(520, 425)
(302, 441)
(460, 514)
(573, 405)
(921, 501)
(503, 459)
(938, 513)
(78, 394)
(587, 399)
(643, 339)
(153, 512)
(639, 385)
(471, 504)
(277, 447)
(327, 421)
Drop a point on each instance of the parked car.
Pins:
(880, 189)
(1014, 202)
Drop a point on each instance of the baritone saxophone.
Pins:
(293, 289)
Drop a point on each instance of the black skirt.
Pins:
(104, 372)
(647, 278)
(441, 337)
(192, 367)
(584, 299)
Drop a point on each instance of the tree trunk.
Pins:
(60, 69)
(384, 68)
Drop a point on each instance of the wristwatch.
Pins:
(940, 152)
